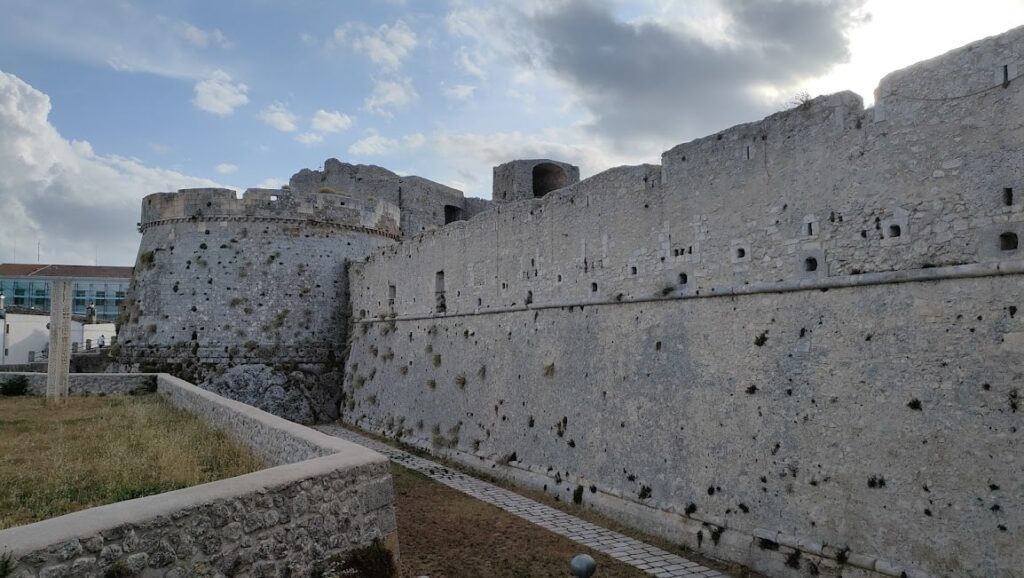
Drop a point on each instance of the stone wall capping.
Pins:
(307, 467)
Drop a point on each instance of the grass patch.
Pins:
(101, 450)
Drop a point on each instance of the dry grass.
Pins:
(582, 512)
(443, 532)
(101, 450)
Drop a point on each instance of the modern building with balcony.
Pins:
(100, 286)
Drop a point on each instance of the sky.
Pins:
(105, 101)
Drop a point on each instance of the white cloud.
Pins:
(413, 141)
(272, 183)
(460, 91)
(226, 168)
(324, 121)
(389, 96)
(203, 38)
(386, 46)
(372, 144)
(219, 94)
(279, 117)
(126, 36)
(375, 144)
(76, 202)
(310, 138)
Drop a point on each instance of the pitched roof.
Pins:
(72, 271)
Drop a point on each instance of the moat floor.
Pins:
(448, 531)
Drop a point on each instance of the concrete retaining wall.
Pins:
(323, 497)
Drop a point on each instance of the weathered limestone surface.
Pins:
(800, 335)
(258, 281)
(421, 201)
(323, 498)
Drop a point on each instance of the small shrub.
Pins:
(6, 565)
(437, 360)
(118, 569)
(432, 383)
(549, 370)
(460, 380)
(15, 385)
(645, 492)
(482, 372)
(236, 301)
(577, 495)
(403, 370)
(147, 259)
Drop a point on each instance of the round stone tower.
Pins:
(248, 296)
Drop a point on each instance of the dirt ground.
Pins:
(444, 533)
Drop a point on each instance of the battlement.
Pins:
(324, 208)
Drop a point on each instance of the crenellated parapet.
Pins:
(327, 208)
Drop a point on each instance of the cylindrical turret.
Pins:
(249, 295)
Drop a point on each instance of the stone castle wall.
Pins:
(794, 342)
(222, 282)
(422, 202)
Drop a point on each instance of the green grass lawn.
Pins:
(100, 450)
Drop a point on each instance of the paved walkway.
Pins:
(643, 556)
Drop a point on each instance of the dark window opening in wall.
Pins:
(392, 294)
(529, 297)
(683, 279)
(1008, 196)
(748, 152)
(1006, 75)
(559, 278)
(479, 302)
(740, 252)
(441, 305)
(547, 177)
(1008, 241)
(632, 270)
(452, 214)
(810, 264)
(895, 231)
(593, 287)
(810, 229)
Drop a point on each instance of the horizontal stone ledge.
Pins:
(951, 272)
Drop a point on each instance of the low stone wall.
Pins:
(323, 498)
(90, 383)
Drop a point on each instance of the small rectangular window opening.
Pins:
(439, 297)
(632, 270)
(748, 152)
(810, 228)
(1008, 196)
(1008, 242)
(593, 287)
(1006, 75)
(894, 231)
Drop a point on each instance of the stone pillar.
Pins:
(60, 340)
